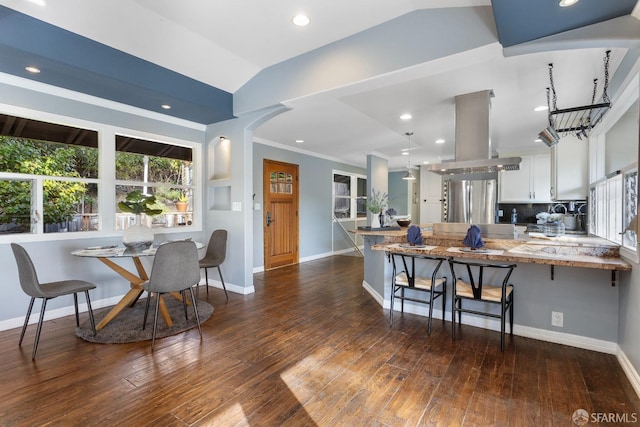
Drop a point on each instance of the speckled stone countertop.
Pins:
(570, 251)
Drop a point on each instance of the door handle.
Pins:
(269, 220)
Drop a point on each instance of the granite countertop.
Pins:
(570, 251)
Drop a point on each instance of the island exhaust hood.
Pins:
(473, 143)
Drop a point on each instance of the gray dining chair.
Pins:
(175, 269)
(215, 256)
(46, 291)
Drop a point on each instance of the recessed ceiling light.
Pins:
(166, 106)
(33, 70)
(38, 2)
(299, 141)
(405, 153)
(406, 116)
(567, 3)
(440, 141)
(426, 162)
(537, 140)
(541, 108)
(301, 20)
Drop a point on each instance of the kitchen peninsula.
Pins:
(576, 276)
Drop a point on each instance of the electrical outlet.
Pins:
(557, 319)
(500, 213)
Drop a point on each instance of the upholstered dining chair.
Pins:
(420, 286)
(175, 269)
(46, 291)
(215, 256)
(482, 283)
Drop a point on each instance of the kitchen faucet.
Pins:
(553, 209)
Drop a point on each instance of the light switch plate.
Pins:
(236, 206)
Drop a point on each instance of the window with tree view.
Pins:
(48, 177)
(160, 170)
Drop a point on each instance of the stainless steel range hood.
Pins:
(473, 142)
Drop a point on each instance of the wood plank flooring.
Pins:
(309, 348)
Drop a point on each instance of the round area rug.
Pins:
(127, 325)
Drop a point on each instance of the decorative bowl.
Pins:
(403, 222)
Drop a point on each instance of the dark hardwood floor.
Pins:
(309, 348)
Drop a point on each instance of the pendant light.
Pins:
(409, 176)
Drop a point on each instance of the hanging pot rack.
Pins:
(578, 121)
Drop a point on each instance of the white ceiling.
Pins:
(236, 39)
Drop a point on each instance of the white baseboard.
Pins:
(260, 268)
(373, 293)
(629, 370)
(494, 325)
(106, 302)
(243, 290)
(17, 322)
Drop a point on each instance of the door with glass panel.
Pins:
(280, 219)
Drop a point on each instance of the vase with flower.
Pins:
(376, 204)
(138, 236)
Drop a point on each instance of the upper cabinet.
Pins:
(530, 184)
(569, 169)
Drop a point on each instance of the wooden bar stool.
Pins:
(470, 282)
(404, 278)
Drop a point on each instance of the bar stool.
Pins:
(404, 278)
(470, 283)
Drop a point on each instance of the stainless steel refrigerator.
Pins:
(472, 201)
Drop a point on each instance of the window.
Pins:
(154, 168)
(53, 178)
(613, 152)
(630, 210)
(48, 180)
(349, 195)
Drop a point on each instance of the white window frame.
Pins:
(106, 178)
(353, 196)
(607, 194)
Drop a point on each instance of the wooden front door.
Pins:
(280, 219)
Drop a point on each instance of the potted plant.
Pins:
(138, 236)
(182, 202)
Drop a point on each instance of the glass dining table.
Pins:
(107, 254)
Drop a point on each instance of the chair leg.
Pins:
(155, 322)
(75, 305)
(453, 317)
(223, 286)
(430, 311)
(206, 280)
(91, 319)
(146, 311)
(184, 304)
(511, 314)
(393, 292)
(26, 320)
(444, 298)
(35, 344)
(503, 308)
(195, 310)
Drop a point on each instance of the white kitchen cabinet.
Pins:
(569, 170)
(530, 184)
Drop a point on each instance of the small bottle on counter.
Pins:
(514, 216)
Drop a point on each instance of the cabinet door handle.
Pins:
(534, 194)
